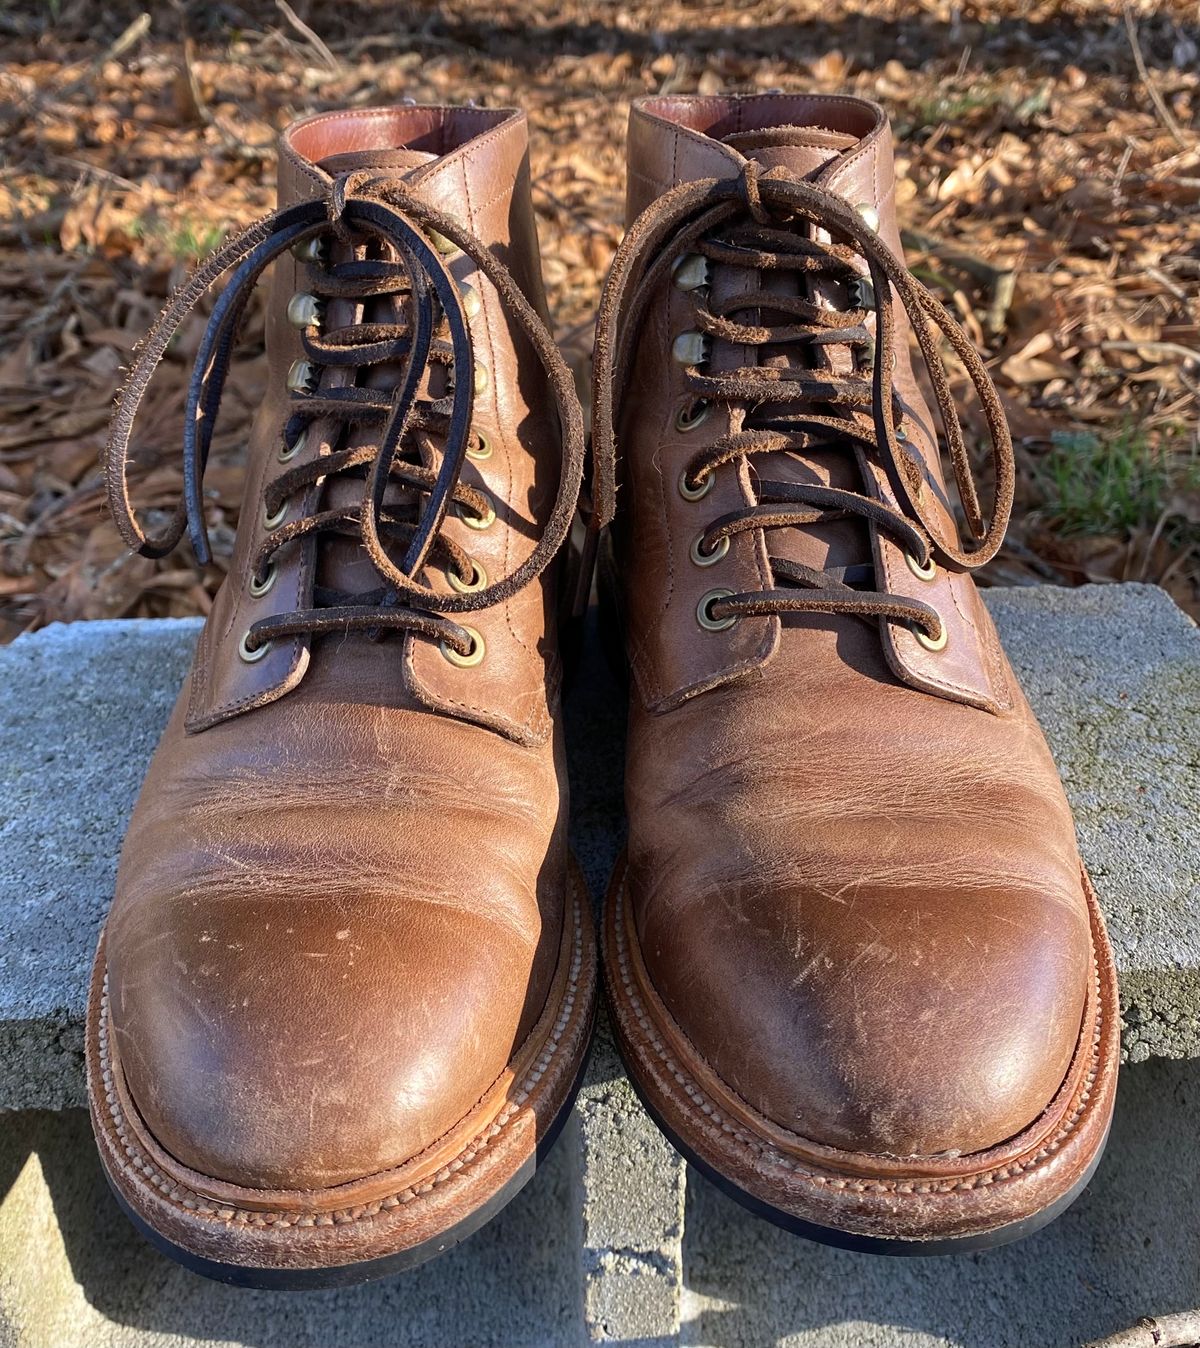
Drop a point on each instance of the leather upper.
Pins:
(852, 865)
(340, 900)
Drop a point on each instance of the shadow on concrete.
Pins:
(1129, 1247)
(513, 1283)
(595, 717)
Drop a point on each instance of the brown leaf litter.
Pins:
(1049, 163)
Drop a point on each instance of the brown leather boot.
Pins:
(858, 972)
(344, 994)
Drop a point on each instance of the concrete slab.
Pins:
(632, 1185)
(74, 1273)
(85, 706)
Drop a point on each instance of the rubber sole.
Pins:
(424, 1212)
(686, 1107)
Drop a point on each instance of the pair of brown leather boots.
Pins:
(343, 999)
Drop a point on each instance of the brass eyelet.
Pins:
(470, 300)
(481, 378)
(690, 493)
(690, 272)
(303, 310)
(472, 657)
(927, 641)
(274, 521)
(477, 582)
(869, 214)
(900, 433)
(259, 587)
(252, 654)
(311, 250)
(702, 558)
(688, 418)
(690, 348)
(706, 619)
(289, 452)
(483, 450)
(926, 572)
(447, 247)
(476, 521)
(301, 376)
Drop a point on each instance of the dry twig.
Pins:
(113, 52)
(313, 39)
(1160, 103)
(1163, 1331)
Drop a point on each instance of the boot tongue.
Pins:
(806, 152)
(341, 563)
(398, 161)
(802, 150)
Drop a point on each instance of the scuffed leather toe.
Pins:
(899, 1042)
(301, 1043)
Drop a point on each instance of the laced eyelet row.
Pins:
(690, 273)
(382, 208)
(304, 310)
(259, 585)
(747, 215)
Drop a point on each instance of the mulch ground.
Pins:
(1050, 189)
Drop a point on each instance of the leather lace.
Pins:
(401, 263)
(755, 221)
